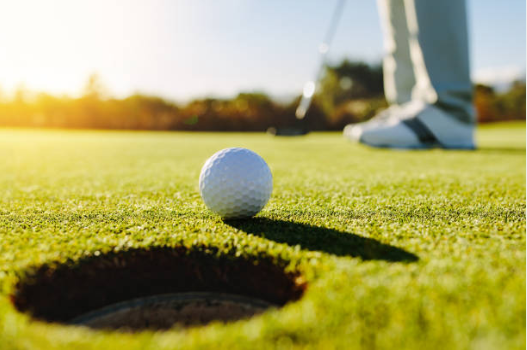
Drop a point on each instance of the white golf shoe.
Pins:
(354, 131)
(414, 125)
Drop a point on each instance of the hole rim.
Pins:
(215, 262)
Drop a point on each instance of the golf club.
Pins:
(310, 86)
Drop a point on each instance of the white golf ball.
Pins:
(235, 183)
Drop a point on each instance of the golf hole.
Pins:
(156, 289)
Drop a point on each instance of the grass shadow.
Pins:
(503, 150)
(322, 239)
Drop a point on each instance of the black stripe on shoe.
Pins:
(420, 130)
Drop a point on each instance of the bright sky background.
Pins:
(190, 48)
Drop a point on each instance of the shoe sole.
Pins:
(423, 146)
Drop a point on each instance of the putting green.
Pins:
(393, 249)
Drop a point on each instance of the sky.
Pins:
(182, 49)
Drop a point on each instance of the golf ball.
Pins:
(235, 183)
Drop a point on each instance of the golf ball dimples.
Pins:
(235, 183)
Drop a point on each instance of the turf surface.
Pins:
(422, 249)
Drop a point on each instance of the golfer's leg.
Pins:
(399, 78)
(439, 51)
(440, 112)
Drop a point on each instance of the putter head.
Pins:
(287, 131)
(300, 127)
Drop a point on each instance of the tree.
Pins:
(94, 88)
(350, 92)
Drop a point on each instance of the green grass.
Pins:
(342, 214)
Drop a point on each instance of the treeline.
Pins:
(492, 106)
(350, 92)
(245, 112)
